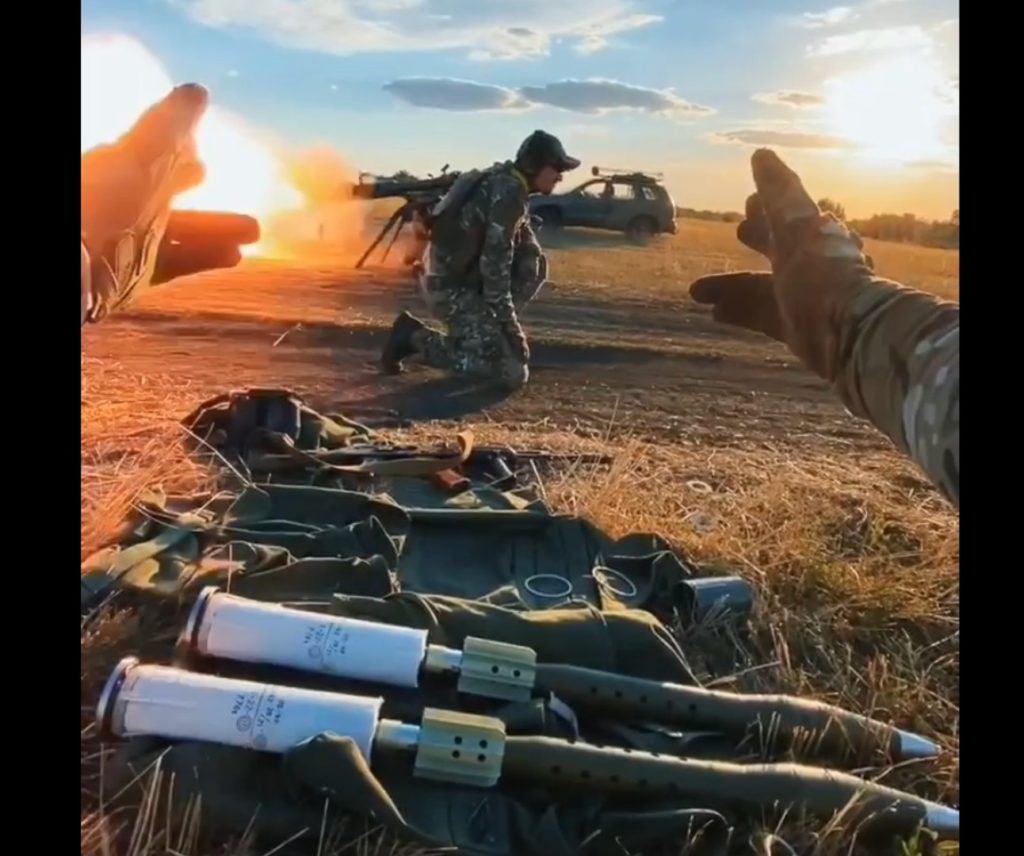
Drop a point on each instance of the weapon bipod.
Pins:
(397, 222)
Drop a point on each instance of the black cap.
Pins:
(542, 149)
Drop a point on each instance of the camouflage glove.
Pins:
(816, 264)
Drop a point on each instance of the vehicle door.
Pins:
(586, 205)
(654, 202)
(624, 204)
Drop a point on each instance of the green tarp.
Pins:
(400, 549)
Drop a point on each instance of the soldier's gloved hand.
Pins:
(812, 255)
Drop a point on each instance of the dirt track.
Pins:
(659, 368)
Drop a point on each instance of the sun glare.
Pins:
(894, 111)
(120, 79)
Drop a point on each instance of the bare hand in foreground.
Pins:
(130, 237)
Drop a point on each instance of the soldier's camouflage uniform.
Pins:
(898, 365)
(469, 281)
(891, 353)
(528, 272)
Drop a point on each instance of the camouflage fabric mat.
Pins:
(297, 527)
(394, 544)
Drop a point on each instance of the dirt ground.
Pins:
(637, 356)
(727, 445)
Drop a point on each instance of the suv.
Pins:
(636, 203)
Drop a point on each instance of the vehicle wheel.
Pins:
(551, 220)
(641, 230)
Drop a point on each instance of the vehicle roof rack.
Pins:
(631, 174)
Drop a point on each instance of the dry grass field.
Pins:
(723, 442)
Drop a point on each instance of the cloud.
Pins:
(839, 15)
(487, 30)
(881, 39)
(595, 36)
(790, 98)
(781, 139)
(947, 38)
(829, 18)
(604, 96)
(593, 97)
(513, 43)
(445, 93)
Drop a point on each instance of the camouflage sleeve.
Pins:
(503, 218)
(898, 365)
(527, 237)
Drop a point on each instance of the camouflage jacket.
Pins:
(476, 249)
(893, 356)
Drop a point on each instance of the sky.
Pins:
(862, 99)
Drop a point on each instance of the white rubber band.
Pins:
(528, 585)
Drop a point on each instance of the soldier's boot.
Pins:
(400, 343)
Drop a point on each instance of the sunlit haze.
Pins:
(862, 99)
(892, 111)
(120, 78)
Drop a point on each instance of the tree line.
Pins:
(898, 228)
(902, 228)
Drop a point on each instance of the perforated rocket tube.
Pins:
(474, 750)
(573, 766)
(230, 627)
(777, 721)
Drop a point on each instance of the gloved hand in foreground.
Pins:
(130, 237)
(891, 352)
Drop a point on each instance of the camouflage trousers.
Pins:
(475, 344)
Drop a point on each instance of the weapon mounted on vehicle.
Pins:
(420, 196)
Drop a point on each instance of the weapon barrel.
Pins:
(386, 189)
(211, 227)
(568, 765)
(514, 456)
(795, 722)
